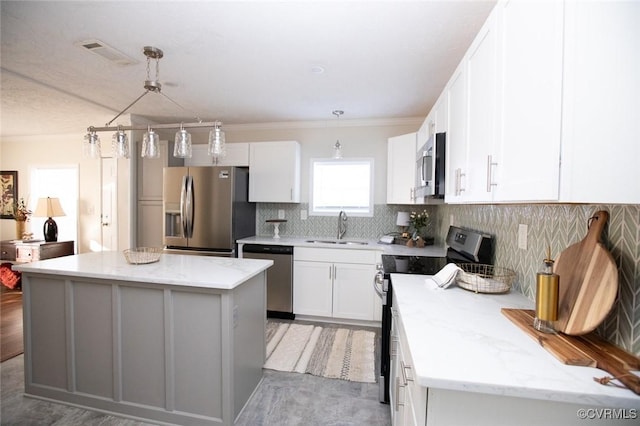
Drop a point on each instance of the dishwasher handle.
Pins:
(263, 248)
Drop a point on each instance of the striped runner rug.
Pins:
(337, 353)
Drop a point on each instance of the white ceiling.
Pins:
(234, 61)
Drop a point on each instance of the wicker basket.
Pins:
(142, 255)
(485, 278)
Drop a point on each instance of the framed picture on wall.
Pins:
(9, 192)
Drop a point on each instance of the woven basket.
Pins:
(142, 255)
(485, 278)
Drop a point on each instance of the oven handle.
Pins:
(378, 281)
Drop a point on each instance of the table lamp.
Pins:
(49, 207)
(403, 220)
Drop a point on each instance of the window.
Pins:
(60, 182)
(342, 185)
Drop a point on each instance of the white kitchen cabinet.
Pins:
(150, 173)
(441, 110)
(408, 400)
(274, 175)
(504, 108)
(601, 118)
(335, 283)
(237, 154)
(527, 151)
(313, 288)
(401, 169)
(149, 204)
(456, 156)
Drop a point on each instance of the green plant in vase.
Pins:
(418, 222)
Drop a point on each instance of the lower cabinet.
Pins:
(408, 400)
(334, 283)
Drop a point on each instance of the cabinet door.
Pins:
(401, 169)
(482, 94)
(150, 224)
(312, 288)
(530, 100)
(600, 149)
(457, 137)
(237, 154)
(353, 294)
(274, 175)
(150, 174)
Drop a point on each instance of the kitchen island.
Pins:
(179, 341)
(459, 357)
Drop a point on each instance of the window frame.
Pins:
(314, 211)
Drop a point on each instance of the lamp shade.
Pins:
(49, 207)
(403, 219)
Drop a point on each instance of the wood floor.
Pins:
(10, 324)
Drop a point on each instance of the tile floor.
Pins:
(281, 399)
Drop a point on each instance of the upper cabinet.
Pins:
(401, 169)
(538, 109)
(237, 154)
(274, 175)
(600, 117)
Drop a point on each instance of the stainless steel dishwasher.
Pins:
(279, 277)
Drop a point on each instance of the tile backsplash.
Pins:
(555, 225)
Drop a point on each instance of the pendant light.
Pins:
(182, 147)
(91, 145)
(217, 146)
(150, 144)
(337, 147)
(120, 144)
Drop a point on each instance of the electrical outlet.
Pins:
(280, 214)
(451, 221)
(522, 236)
(303, 215)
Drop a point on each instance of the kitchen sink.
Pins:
(344, 242)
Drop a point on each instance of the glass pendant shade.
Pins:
(150, 145)
(91, 145)
(182, 147)
(120, 144)
(217, 147)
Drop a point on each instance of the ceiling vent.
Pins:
(107, 52)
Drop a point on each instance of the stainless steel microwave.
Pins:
(430, 168)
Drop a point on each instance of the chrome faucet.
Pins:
(342, 224)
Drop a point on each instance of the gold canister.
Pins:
(547, 286)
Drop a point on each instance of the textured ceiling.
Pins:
(234, 61)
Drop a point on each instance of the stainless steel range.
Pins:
(464, 246)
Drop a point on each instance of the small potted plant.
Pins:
(21, 214)
(417, 221)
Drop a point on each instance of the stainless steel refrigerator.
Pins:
(206, 209)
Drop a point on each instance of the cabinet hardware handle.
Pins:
(404, 368)
(490, 165)
(398, 386)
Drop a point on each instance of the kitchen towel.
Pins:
(446, 276)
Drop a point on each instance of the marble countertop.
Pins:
(393, 249)
(175, 269)
(459, 340)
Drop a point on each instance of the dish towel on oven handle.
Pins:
(446, 276)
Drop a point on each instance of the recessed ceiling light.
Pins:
(317, 69)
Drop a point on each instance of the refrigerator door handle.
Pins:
(190, 207)
(183, 202)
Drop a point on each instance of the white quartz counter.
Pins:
(392, 249)
(175, 269)
(459, 340)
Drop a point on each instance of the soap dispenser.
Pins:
(547, 285)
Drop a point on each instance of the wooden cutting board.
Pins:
(587, 350)
(588, 281)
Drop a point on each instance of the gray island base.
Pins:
(180, 341)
